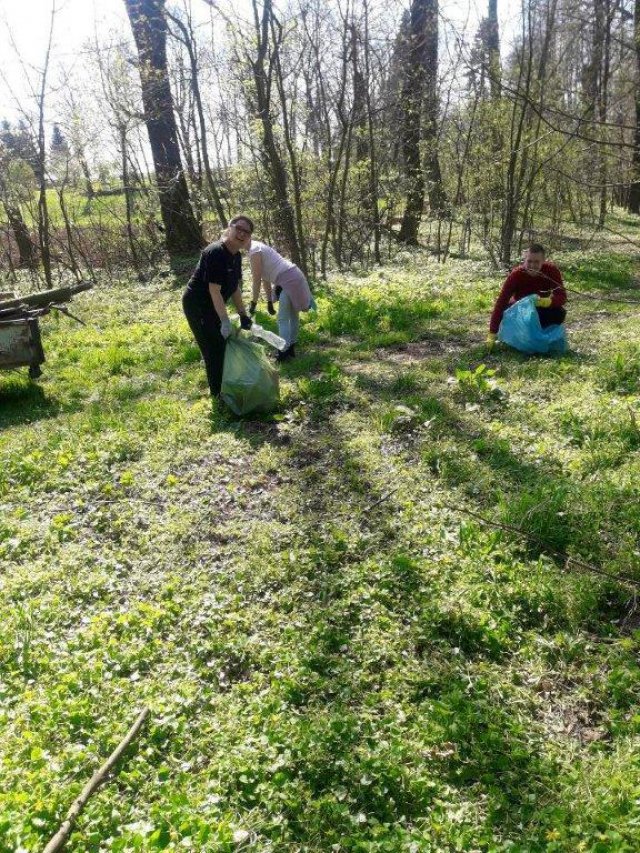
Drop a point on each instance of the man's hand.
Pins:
(270, 307)
(225, 328)
(491, 340)
(245, 322)
(543, 302)
(252, 308)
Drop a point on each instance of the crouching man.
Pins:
(535, 275)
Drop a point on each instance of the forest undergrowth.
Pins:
(338, 653)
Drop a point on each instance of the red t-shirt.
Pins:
(520, 283)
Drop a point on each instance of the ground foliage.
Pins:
(336, 655)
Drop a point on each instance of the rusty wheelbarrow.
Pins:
(20, 342)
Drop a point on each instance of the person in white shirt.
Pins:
(283, 282)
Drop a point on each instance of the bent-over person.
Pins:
(283, 282)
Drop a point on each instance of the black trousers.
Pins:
(205, 325)
(551, 316)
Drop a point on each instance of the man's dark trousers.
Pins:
(551, 316)
(205, 325)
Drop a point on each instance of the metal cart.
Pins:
(20, 341)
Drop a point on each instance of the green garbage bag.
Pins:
(249, 382)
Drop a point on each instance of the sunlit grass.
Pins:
(338, 653)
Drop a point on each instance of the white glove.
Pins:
(225, 328)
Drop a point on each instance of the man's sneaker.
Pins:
(286, 354)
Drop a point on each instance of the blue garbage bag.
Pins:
(521, 329)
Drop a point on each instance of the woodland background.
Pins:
(344, 128)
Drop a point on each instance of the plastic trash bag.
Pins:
(270, 337)
(249, 382)
(521, 329)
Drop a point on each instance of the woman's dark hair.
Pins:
(534, 248)
(243, 217)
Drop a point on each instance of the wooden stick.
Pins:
(62, 835)
(381, 500)
(624, 579)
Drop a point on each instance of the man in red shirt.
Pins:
(536, 275)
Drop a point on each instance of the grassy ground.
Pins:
(336, 654)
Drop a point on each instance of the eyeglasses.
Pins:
(241, 229)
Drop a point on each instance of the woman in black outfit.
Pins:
(215, 280)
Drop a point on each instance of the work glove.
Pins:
(245, 322)
(252, 308)
(277, 291)
(543, 302)
(491, 340)
(225, 328)
(270, 307)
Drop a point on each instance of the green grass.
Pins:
(336, 654)
(596, 271)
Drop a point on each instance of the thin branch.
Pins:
(61, 837)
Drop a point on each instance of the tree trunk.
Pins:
(73, 264)
(359, 99)
(334, 153)
(128, 201)
(21, 234)
(282, 210)
(211, 186)
(593, 86)
(44, 235)
(289, 136)
(88, 184)
(184, 127)
(149, 26)
(530, 158)
(495, 88)
(518, 121)
(412, 94)
(435, 189)
(372, 189)
(493, 51)
(603, 102)
(634, 191)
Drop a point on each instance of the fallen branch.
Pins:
(381, 500)
(62, 835)
(626, 580)
(600, 297)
